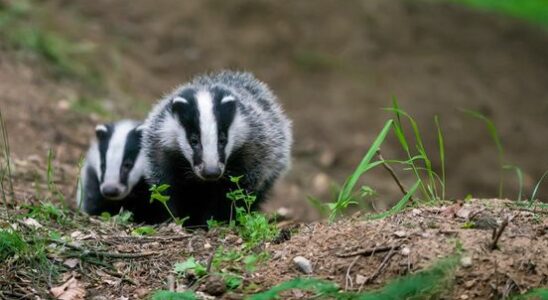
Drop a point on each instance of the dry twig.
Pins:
(102, 253)
(393, 174)
(366, 252)
(348, 277)
(499, 233)
(382, 266)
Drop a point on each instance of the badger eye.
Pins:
(222, 139)
(194, 141)
(127, 165)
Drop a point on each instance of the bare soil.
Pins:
(333, 66)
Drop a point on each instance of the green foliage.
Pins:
(519, 174)
(345, 197)
(11, 244)
(190, 265)
(167, 295)
(492, 129)
(535, 294)
(535, 11)
(46, 211)
(144, 230)
(429, 187)
(441, 149)
(50, 178)
(537, 186)
(157, 194)
(398, 207)
(468, 225)
(22, 27)
(253, 227)
(425, 284)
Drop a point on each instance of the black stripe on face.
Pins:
(131, 152)
(189, 118)
(103, 140)
(224, 114)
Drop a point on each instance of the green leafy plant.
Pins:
(429, 187)
(190, 265)
(143, 230)
(519, 174)
(167, 295)
(537, 186)
(157, 194)
(253, 227)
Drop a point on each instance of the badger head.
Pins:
(121, 165)
(206, 127)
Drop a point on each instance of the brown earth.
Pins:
(333, 66)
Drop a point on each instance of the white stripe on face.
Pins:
(115, 152)
(208, 129)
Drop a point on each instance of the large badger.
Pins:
(112, 176)
(217, 126)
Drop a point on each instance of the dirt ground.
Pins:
(334, 66)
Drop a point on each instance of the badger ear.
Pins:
(101, 131)
(178, 104)
(228, 99)
(140, 128)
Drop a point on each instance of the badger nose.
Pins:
(212, 172)
(111, 191)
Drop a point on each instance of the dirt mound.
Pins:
(107, 258)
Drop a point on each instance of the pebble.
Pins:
(405, 251)
(303, 264)
(400, 233)
(360, 279)
(466, 261)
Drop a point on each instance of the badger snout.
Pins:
(113, 191)
(209, 172)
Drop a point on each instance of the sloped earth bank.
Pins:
(131, 267)
(332, 85)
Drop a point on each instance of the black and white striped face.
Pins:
(120, 165)
(208, 127)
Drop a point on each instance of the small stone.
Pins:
(303, 264)
(415, 212)
(32, 223)
(466, 261)
(464, 212)
(400, 234)
(63, 105)
(215, 285)
(405, 251)
(71, 263)
(327, 158)
(464, 297)
(321, 183)
(469, 284)
(207, 246)
(360, 279)
(283, 212)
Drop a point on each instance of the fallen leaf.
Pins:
(70, 290)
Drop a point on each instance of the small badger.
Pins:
(112, 176)
(217, 126)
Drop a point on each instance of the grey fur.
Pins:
(264, 136)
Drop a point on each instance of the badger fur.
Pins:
(217, 126)
(112, 176)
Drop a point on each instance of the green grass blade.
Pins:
(534, 194)
(349, 185)
(519, 174)
(398, 207)
(441, 147)
(492, 129)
